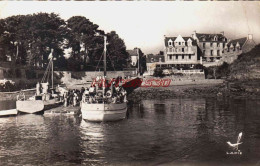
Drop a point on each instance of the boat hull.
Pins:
(34, 106)
(103, 112)
(49, 104)
(30, 106)
(8, 112)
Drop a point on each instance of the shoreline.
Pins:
(188, 89)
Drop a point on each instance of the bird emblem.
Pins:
(235, 145)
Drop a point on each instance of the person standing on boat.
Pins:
(82, 91)
(38, 89)
(75, 97)
(65, 99)
(113, 90)
(91, 90)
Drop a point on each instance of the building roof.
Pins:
(132, 52)
(150, 58)
(210, 37)
(174, 38)
(241, 41)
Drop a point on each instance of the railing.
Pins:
(195, 71)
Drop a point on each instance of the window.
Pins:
(211, 44)
(176, 57)
(218, 44)
(170, 57)
(182, 49)
(179, 43)
(170, 42)
(204, 52)
(211, 52)
(189, 56)
(182, 56)
(218, 53)
(204, 45)
(170, 49)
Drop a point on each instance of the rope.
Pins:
(111, 62)
(98, 62)
(46, 72)
(48, 75)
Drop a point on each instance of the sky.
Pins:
(144, 24)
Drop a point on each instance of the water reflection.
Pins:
(173, 131)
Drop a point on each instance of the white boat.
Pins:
(105, 111)
(8, 112)
(41, 101)
(29, 106)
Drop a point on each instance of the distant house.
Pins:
(152, 61)
(237, 46)
(211, 45)
(133, 56)
(245, 44)
(137, 60)
(181, 51)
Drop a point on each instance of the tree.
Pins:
(13, 35)
(31, 37)
(83, 38)
(117, 55)
(47, 31)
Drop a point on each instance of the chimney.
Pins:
(229, 40)
(222, 33)
(250, 37)
(193, 35)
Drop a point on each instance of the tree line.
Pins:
(77, 43)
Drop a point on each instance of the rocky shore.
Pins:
(238, 89)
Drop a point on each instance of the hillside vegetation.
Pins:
(246, 66)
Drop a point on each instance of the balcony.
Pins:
(179, 52)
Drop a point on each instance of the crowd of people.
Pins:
(112, 93)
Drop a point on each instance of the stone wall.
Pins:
(73, 78)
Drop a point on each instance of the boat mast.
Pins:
(105, 66)
(138, 72)
(105, 60)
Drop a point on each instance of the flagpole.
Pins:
(52, 72)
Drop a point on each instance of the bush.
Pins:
(7, 86)
(223, 71)
(158, 72)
